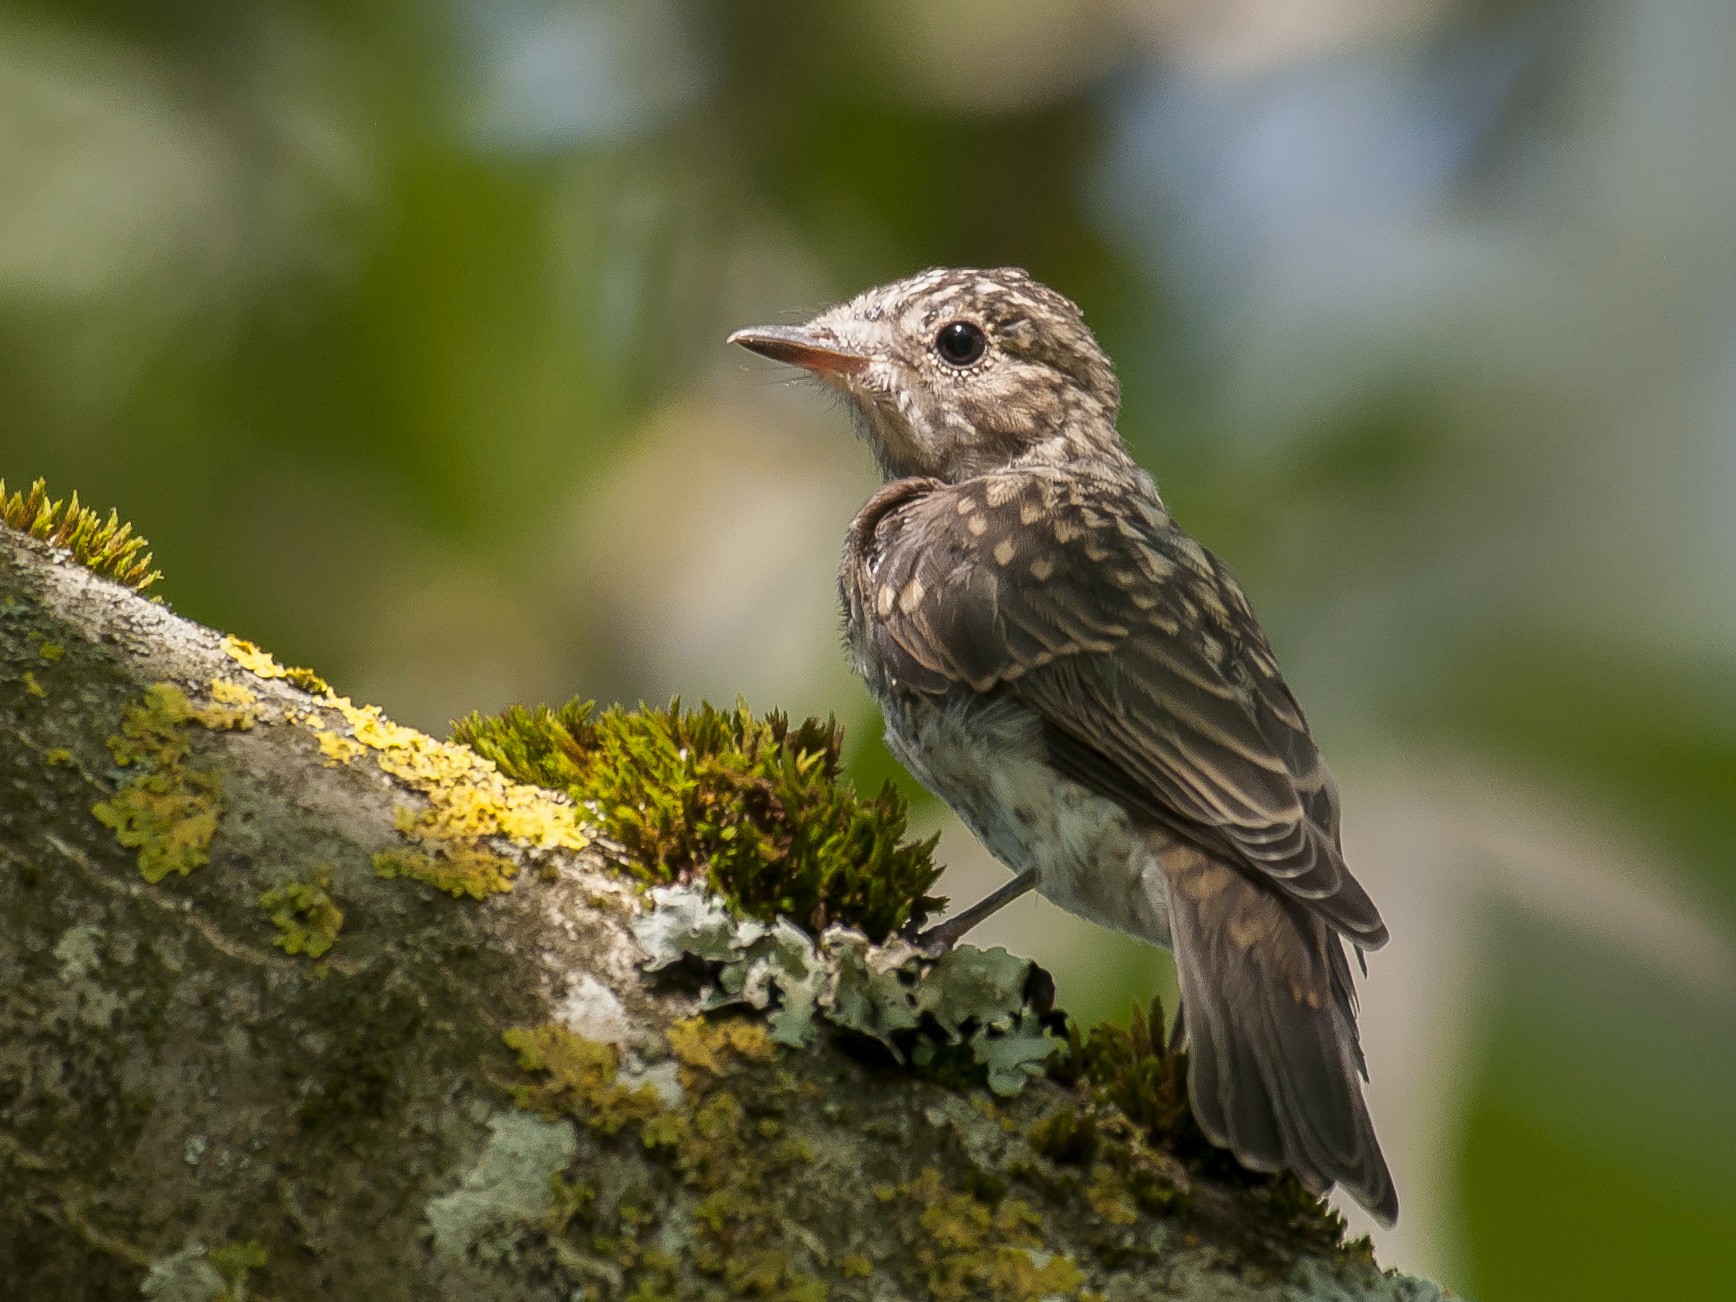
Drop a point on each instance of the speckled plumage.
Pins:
(1087, 687)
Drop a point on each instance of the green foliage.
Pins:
(106, 547)
(758, 807)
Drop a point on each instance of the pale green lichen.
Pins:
(106, 547)
(184, 1276)
(510, 1185)
(919, 1009)
(306, 917)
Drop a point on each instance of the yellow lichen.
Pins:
(261, 662)
(169, 812)
(467, 796)
(234, 1262)
(459, 870)
(225, 692)
(467, 801)
(31, 685)
(578, 1079)
(337, 750)
(971, 1250)
(306, 917)
(233, 707)
(704, 1045)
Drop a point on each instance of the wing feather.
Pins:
(1156, 686)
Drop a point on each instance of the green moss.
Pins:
(458, 869)
(756, 806)
(234, 1261)
(1135, 1116)
(168, 812)
(577, 1078)
(970, 1249)
(306, 917)
(106, 547)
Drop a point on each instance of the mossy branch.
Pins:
(303, 1003)
(107, 547)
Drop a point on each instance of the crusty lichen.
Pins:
(459, 870)
(970, 1249)
(1116, 1138)
(264, 665)
(306, 917)
(168, 810)
(732, 1190)
(968, 1014)
(472, 822)
(757, 807)
(106, 547)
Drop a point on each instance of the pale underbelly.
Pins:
(988, 764)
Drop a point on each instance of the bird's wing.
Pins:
(1154, 682)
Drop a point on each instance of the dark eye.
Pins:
(960, 343)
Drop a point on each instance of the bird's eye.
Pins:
(960, 343)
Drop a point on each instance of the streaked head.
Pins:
(955, 373)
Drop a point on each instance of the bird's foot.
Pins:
(932, 942)
(941, 937)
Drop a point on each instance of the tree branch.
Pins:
(295, 1003)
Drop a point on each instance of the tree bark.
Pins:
(297, 1004)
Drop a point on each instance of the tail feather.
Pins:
(1275, 1064)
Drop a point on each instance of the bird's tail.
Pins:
(1275, 1065)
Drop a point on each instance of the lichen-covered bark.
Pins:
(294, 1004)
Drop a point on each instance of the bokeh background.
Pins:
(396, 325)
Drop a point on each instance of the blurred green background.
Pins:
(397, 328)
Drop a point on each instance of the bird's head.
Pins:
(954, 374)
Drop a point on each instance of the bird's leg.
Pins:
(943, 936)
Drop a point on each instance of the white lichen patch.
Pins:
(508, 1186)
(662, 1078)
(912, 1004)
(593, 1011)
(184, 1276)
(79, 955)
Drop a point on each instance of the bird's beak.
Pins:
(815, 350)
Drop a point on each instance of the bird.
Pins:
(1089, 690)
